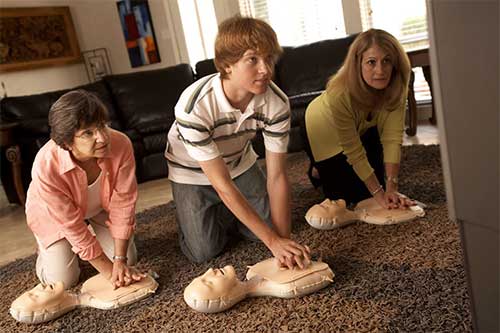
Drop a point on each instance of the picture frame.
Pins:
(34, 37)
(97, 64)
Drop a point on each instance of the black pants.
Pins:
(337, 177)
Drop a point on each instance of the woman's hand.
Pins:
(289, 253)
(124, 275)
(380, 197)
(394, 199)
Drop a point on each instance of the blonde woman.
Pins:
(354, 129)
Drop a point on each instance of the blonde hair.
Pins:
(237, 35)
(349, 77)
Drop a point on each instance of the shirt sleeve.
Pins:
(344, 120)
(63, 210)
(276, 130)
(195, 131)
(121, 221)
(391, 130)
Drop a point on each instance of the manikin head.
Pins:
(329, 214)
(41, 297)
(214, 283)
(331, 208)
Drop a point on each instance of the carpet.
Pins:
(408, 277)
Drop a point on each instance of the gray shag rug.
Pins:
(408, 277)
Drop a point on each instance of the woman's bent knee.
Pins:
(69, 275)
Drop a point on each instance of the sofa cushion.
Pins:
(31, 112)
(152, 166)
(146, 99)
(307, 68)
(155, 142)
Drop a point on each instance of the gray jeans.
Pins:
(206, 224)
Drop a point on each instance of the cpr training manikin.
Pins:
(331, 214)
(47, 302)
(219, 289)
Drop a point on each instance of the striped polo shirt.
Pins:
(207, 126)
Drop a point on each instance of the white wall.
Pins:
(97, 25)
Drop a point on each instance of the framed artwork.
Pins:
(37, 36)
(96, 63)
(137, 28)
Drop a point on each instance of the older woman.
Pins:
(355, 128)
(85, 175)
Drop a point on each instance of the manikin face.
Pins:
(330, 211)
(91, 142)
(41, 296)
(250, 75)
(376, 67)
(215, 282)
(337, 204)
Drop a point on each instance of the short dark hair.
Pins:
(72, 111)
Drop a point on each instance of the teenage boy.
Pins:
(217, 185)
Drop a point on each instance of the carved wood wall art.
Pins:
(37, 36)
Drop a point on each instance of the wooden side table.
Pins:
(13, 154)
(418, 58)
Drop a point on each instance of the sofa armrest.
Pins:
(204, 68)
(302, 100)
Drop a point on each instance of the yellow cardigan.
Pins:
(333, 127)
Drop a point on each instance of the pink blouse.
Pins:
(57, 196)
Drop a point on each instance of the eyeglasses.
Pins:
(90, 133)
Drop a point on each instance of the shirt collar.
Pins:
(66, 162)
(256, 102)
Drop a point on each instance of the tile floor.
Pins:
(17, 241)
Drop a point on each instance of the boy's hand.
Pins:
(289, 253)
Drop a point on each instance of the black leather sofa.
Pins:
(141, 105)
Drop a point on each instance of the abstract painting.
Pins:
(138, 31)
